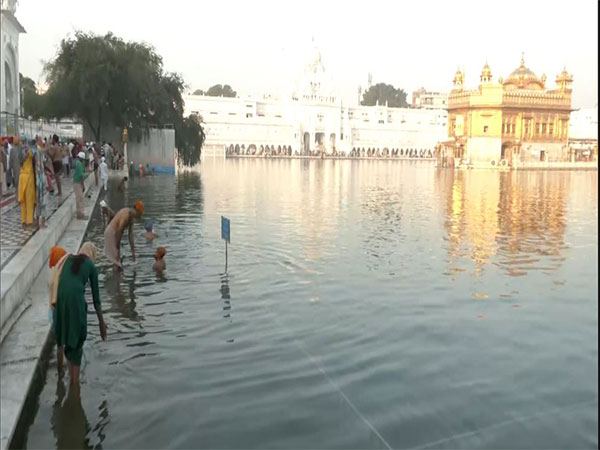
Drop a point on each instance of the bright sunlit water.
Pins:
(367, 304)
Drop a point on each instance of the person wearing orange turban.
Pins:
(56, 253)
(139, 206)
(159, 263)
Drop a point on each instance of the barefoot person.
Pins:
(58, 255)
(70, 313)
(125, 217)
(78, 186)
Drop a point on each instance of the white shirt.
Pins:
(103, 170)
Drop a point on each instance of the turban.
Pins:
(56, 253)
(160, 253)
(139, 206)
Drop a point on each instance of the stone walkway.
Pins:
(12, 235)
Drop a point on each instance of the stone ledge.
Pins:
(20, 272)
(26, 341)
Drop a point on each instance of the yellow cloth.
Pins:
(54, 277)
(27, 190)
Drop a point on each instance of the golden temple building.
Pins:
(509, 123)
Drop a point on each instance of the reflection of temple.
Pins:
(311, 118)
(515, 219)
(505, 123)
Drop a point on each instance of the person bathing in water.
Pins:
(150, 234)
(124, 218)
(121, 186)
(107, 213)
(159, 259)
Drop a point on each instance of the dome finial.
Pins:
(522, 59)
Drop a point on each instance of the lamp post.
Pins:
(125, 148)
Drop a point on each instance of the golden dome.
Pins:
(523, 78)
(486, 72)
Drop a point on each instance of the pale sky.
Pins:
(262, 46)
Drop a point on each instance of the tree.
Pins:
(107, 82)
(189, 137)
(382, 93)
(198, 92)
(220, 91)
(33, 104)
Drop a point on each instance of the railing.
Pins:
(14, 125)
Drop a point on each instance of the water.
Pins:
(367, 304)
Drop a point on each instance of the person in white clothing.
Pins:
(103, 168)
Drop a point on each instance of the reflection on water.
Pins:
(365, 304)
(518, 219)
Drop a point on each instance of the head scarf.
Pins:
(160, 253)
(148, 225)
(88, 249)
(81, 155)
(56, 253)
(139, 206)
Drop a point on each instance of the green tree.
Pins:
(33, 103)
(198, 92)
(382, 93)
(190, 138)
(106, 82)
(220, 91)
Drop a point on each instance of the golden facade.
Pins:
(507, 123)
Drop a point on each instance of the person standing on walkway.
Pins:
(78, 186)
(65, 159)
(96, 162)
(26, 192)
(55, 153)
(2, 165)
(70, 313)
(14, 163)
(103, 169)
(41, 195)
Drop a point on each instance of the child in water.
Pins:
(159, 261)
(149, 234)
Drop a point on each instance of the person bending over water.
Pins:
(70, 313)
(159, 259)
(114, 232)
(150, 234)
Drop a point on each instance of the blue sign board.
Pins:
(225, 229)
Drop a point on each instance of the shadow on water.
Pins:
(69, 422)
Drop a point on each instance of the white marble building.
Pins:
(9, 50)
(310, 117)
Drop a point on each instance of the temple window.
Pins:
(543, 128)
(551, 129)
(513, 128)
(485, 128)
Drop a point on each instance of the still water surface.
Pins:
(367, 304)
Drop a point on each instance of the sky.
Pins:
(262, 46)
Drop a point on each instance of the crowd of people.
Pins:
(33, 169)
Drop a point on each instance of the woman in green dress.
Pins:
(70, 313)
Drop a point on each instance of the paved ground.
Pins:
(12, 235)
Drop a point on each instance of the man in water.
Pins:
(121, 186)
(159, 259)
(150, 234)
(107, 213)
(125, 217)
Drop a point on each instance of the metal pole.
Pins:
(225, 256)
